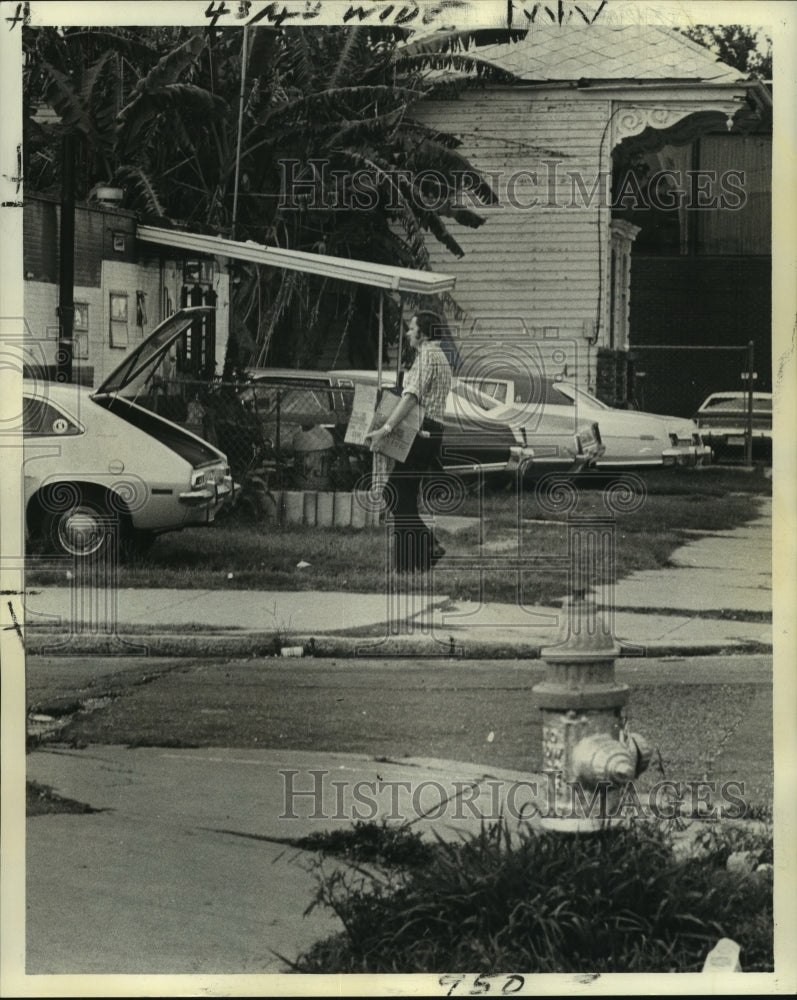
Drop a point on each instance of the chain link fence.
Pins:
(281, 432)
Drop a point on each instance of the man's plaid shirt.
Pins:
(429, 379)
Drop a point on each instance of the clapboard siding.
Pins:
(94, 241)
(544, 263)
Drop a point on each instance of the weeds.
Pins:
(615, 901)
(41, 800)
(265, 557)
(383, 843)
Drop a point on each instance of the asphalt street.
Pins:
(690, 708)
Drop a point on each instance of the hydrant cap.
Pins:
(602, 758)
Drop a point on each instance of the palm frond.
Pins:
(457, 40)
(429, 154)
(350, 57)
(297, 60)
(167, 70)
(440, 62)
(366, 130)
(398, 188)
(454, 51)
(126, 41)
(332, 102)
(181, 97)
(263, 51)
(65, 100)
(146, 196)
(463, 216)
(91, 75)
(433, 222)
(423, 131)
(91, 119)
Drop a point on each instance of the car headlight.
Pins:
(673, 439)
(197, 480)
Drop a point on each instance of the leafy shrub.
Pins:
(619, 900)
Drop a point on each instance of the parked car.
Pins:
(482, 436)
(286, 400)
(722, 419)
(96, 457)
(630, 437)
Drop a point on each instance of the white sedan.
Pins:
(481, 436)
(630, 437)
(723, 419)
(97, 465)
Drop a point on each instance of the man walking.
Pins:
(428, 383)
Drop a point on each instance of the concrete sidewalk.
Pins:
(188, 870)
(698, 604)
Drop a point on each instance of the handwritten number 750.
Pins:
(478, 985)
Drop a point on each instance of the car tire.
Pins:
(75, 522)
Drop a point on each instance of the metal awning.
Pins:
(386, 276)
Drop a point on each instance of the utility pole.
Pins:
(244, 56)
(66, 260)
(748, 439)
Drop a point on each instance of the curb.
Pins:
(269, 644)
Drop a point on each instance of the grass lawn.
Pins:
(667, 506)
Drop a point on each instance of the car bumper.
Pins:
(687, 455)
(526, 458)
(735, 438)
(203, 504)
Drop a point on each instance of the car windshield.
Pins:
(308, 402)
(475, 394)
(564, 392)
(736, 403)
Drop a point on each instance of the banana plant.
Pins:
(192, 122)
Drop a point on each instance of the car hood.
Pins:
(149, 354)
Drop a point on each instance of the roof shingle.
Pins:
(606, 52)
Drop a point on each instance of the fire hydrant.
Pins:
(588, 754)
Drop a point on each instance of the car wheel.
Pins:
(75, 523)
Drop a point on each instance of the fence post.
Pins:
(748, 443)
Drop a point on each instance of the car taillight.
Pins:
(673, 439)
(197, 480)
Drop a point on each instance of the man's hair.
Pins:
(430, 324)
